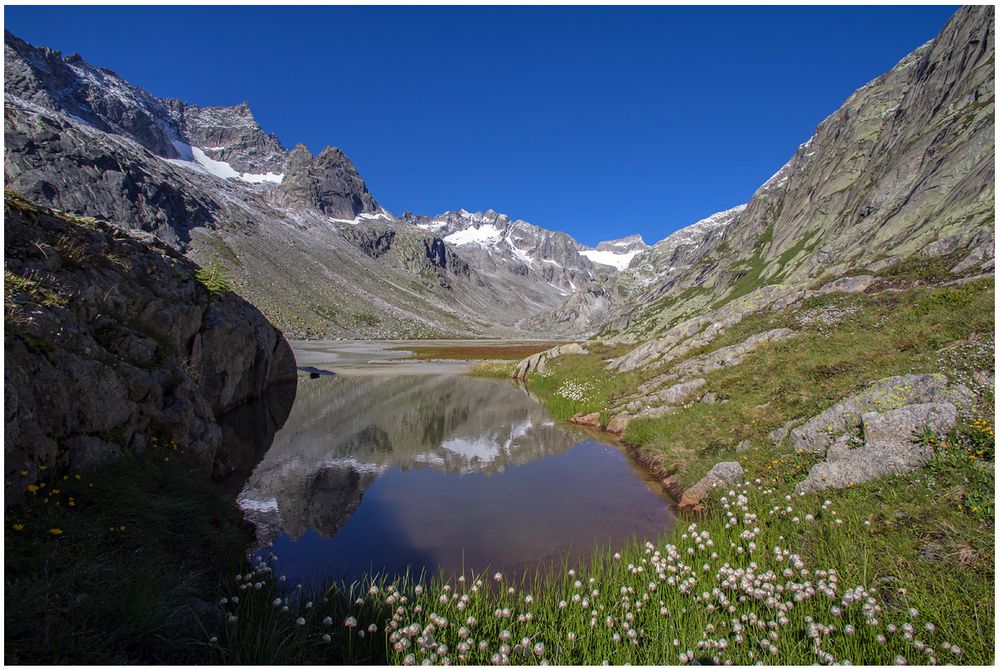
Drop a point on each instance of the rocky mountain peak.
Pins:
(231, 135)
(328, 182)
(623, 245)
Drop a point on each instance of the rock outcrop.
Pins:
(875, 432)
(890, 447)
(111, 342)
(539, 361)
(328, 182)
(906, 165)
(817, 434)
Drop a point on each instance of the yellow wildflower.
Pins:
(55, 531)
(18, 527)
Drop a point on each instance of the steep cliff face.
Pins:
(328, 182)
(112, 342)
(94, 95)
(230, 135)
(906, 165)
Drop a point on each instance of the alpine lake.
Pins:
(387, 465)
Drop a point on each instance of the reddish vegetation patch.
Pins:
(479, 351)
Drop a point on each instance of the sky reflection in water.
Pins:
(385, 474)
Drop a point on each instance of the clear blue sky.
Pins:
(594, 120)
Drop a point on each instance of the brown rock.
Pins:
(589, 419)
(619, 423)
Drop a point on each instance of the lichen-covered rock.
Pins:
(675, 394)
(723, 473)
(885, 430)
(859, 193)
(110, 341)
(819, 432)
(890, 447)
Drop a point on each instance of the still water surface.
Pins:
(421, 473)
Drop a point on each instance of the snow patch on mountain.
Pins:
(194, 158)
(618, 261)
(381, 215)
(487, 234)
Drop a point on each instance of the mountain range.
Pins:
(905, 166)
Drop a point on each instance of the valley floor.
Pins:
(402, 357)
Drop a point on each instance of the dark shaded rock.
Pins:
(328, 182)
(87, 453)
(117, 343)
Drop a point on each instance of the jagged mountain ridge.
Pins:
(304, 236)
(494, 242)
(906, 165)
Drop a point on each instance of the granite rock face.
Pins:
(111, 341)
(229, 134)
(906, 165)
(818, 433)
(539, 361)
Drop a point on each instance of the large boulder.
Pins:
(111, 341)
(819, 432)
(891, 446)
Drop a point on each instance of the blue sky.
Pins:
(594, 120)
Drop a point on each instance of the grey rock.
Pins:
(890, 447)
(538, 362)
(899, 426)
(710, 398)
(848, 284)
(780, 434)
(859, 193)
(722, 474)
(328, 182)
(229, 134)
(840, 448)
(87, 453)
(118, 342)
(976, 258)
(675, 394)
(819, 432)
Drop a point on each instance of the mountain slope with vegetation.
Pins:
(302, 235)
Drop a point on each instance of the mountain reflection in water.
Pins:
(389, 474)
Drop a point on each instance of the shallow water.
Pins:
(421, 473)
